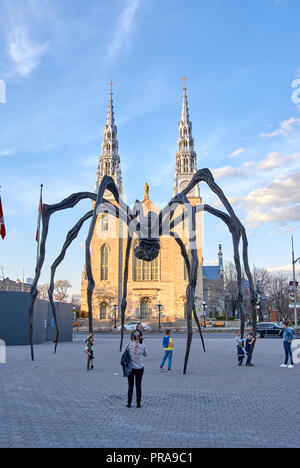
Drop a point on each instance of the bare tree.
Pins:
(61, 288)
(230, 288)
(43, 291)
(278, 291)
(216, 299)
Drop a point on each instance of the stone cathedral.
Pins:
(162, 281)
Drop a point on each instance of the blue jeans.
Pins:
(168, 355)
(288, 352)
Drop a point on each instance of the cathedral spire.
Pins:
(186, 159)
(185, 109)
(109, 161)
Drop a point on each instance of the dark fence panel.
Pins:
(14, 320)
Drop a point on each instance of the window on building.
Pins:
(104, 263)
(105, 222)
(103, 310)
(146, 271)
(185, 165)
(145, 308)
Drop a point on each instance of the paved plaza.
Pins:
(55, 402)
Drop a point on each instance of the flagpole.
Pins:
(38, 226)
(2, 225)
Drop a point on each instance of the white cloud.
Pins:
(229, 172)
(280, 268)
(285, 127)
(24, 52)
(124, 27)
(278, 202)
(235, 153)
(283, 190)
(280, 214)
(274, 160)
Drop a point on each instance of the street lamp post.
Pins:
(115, 316)
(159, 306)
(204, 305)
(294, 282)
(74, 319)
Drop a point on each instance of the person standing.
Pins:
(89, 348)
(137, 352)
(248, 347)
(139, 329)
(240, 353)
(288, 335)
(168, 347)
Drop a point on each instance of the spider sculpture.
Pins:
(148, 229)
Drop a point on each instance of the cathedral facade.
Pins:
(152, 286)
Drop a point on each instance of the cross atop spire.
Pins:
(184, 80)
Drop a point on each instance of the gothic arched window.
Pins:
(103, 310)
(104, 262)
(146, 271)
(185, 165)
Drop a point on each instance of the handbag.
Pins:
(126, 362)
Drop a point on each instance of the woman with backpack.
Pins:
(137, 352)
(168, 347)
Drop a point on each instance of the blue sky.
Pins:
(241, 59)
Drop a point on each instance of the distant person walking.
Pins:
(89, 348)
(137, 352)
(168, 347)
(288, 335)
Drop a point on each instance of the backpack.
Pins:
(165, 342)
(126, 362)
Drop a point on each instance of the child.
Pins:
(249, 341)
(238, 338)
(89, 348)
(240, 353)
(168, 347)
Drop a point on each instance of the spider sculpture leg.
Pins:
(72, 234)
(48, 210)
(106, 184)
(188, 267)
(206, 176)
(125, 280)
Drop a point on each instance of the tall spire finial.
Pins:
(184, 80)
(111, 83)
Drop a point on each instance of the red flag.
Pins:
(2, 225)
(40, 211)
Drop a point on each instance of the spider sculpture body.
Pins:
(148, 229)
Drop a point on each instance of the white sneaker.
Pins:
(291, 366)
(283, 365)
